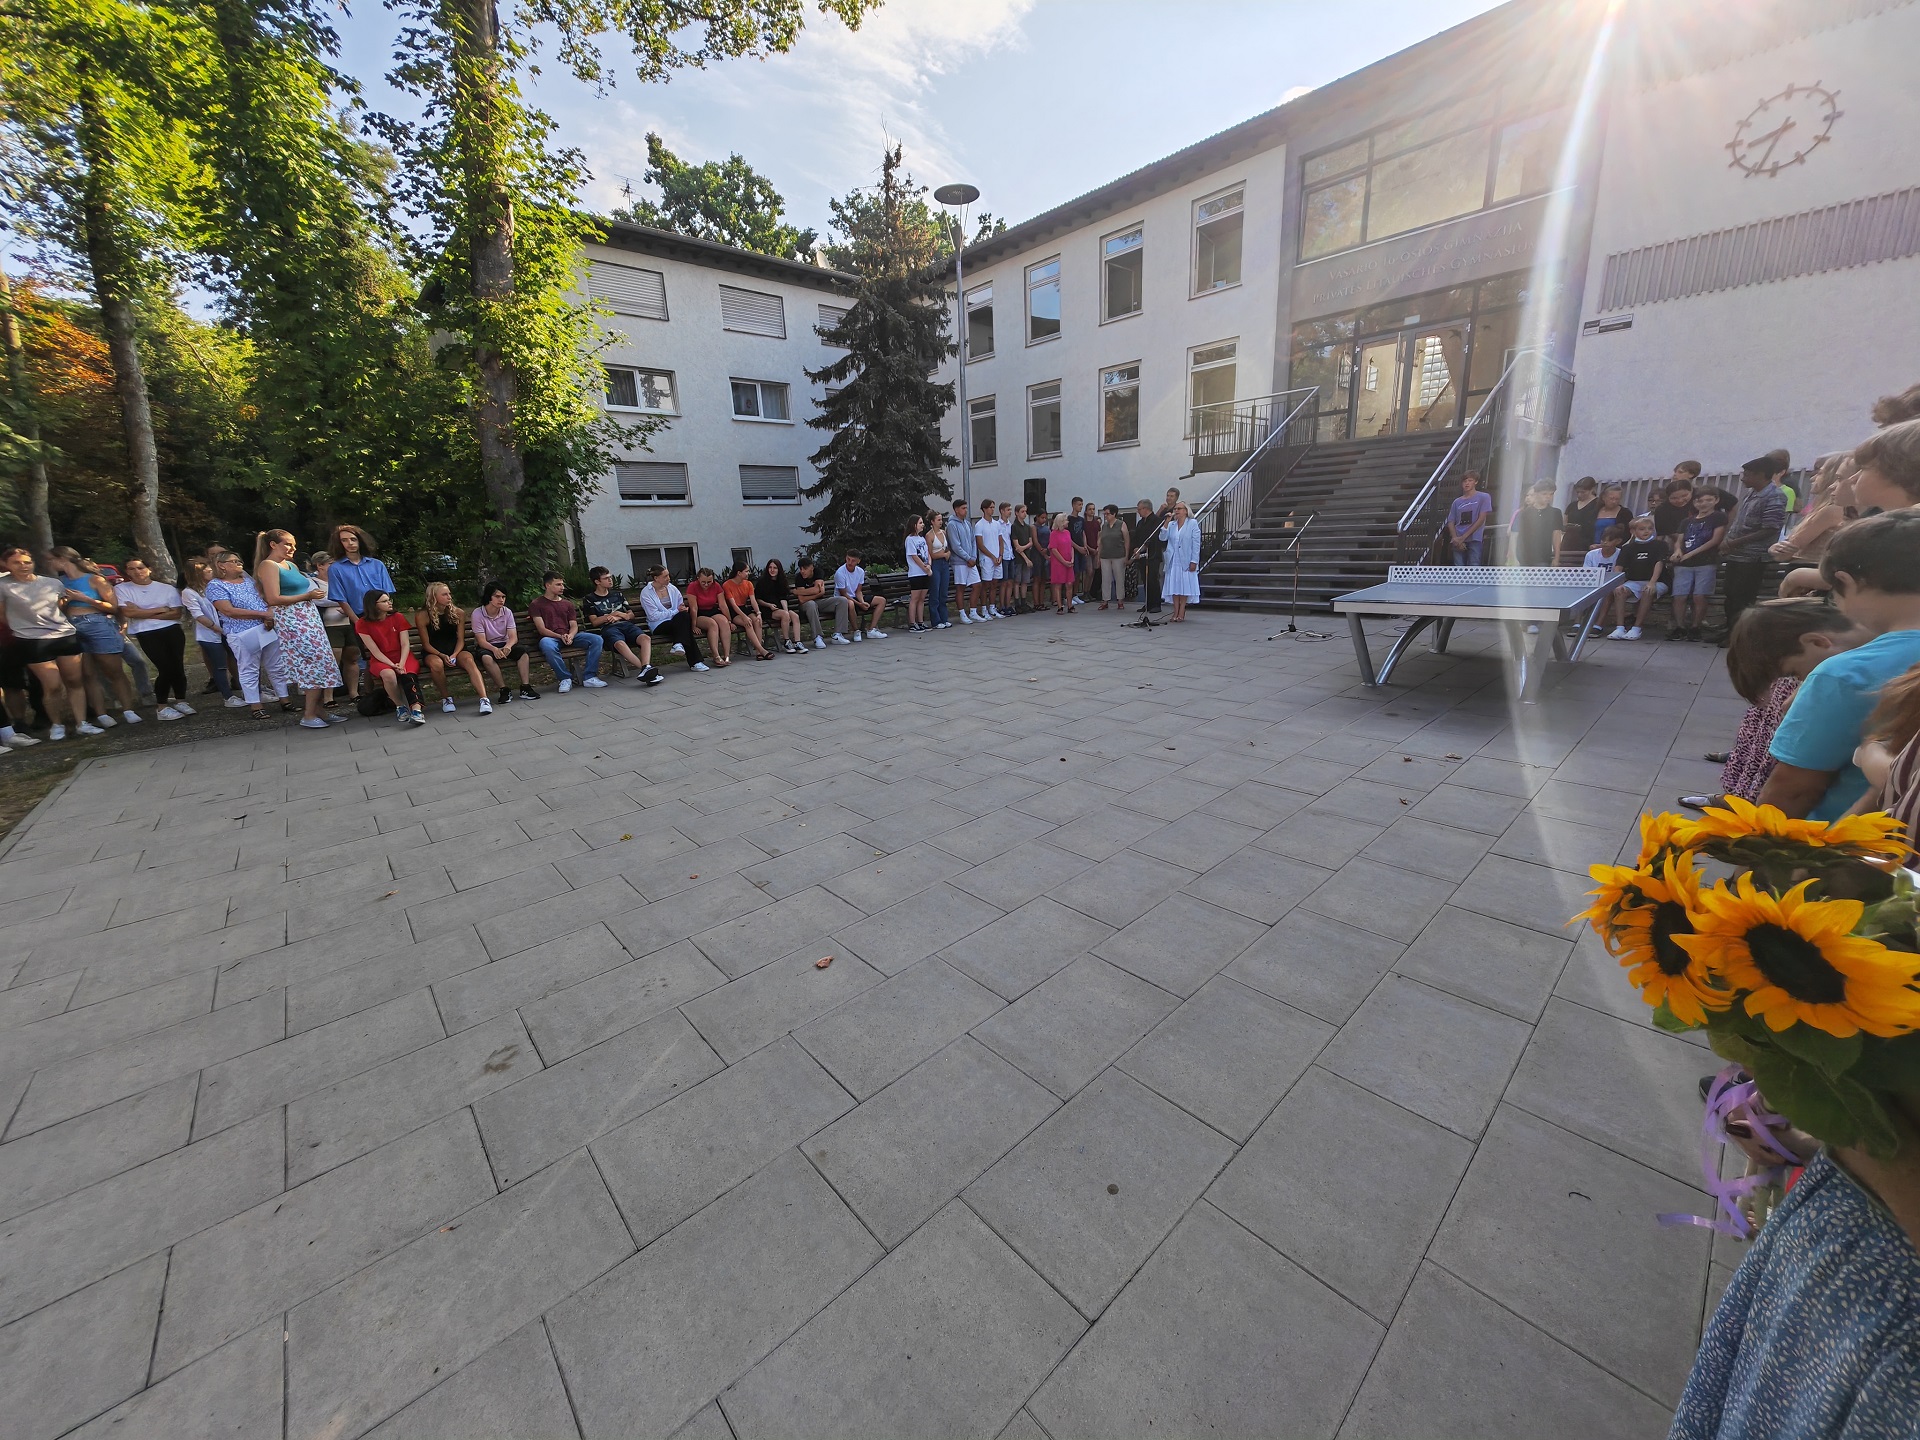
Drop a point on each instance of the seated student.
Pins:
(707, 604)
(611, 618)
(1696, 561)
(1642, 557)
(496, 640)
(743, 609)
(443, 644)
(557, 624)
(852, 610)
(1873, 567)
(670, 617)
(387, 639)
(773, 594)
(1605, 554)
(809, 590)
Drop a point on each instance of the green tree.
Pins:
(21, 449)
(724, 200)
(883, 406)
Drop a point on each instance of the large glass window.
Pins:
(984, 430)
(980, 322)
(1211, 370)
(1217, 225)
(1120, 405)
(1529, 155)
(1043, 420)
(1435, 182)
(1122, 270)
(1333, 218)
(1043, 301)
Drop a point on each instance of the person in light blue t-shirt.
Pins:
(1873, 566)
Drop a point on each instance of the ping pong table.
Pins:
(1531, 602)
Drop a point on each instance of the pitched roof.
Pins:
(646, 240)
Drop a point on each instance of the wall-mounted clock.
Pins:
(1784, 130)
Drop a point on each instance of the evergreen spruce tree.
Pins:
(886, 455)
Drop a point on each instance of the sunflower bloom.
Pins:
(1666, 831)
(1799, 962)
(1643, 917)
(1741, 820)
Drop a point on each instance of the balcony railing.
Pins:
(1235, 427)
(1227, 514)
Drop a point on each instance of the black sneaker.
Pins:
(527, 692)
(506, 696)
(651, 676)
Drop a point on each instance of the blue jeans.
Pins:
(937, 592)
(588, 643)
(215, 654)
(1470, 554)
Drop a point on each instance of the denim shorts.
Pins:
(98, 634)
(1693, 580)
(1636, 588)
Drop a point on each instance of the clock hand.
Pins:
(1773, 138)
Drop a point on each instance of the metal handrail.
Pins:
(1229, 406)
(1233, 427)
(1466, 431)
(1232, 503)
(1246, 466)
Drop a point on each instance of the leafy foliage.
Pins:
(723, 200)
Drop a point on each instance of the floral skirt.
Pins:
(1751, 760)
(304, 651)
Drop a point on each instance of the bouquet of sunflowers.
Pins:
(1801, 961)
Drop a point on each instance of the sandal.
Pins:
(287, 707)
(1704, 802)
(1717, 757)
(258, 712)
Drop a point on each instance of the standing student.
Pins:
(1020, 561)
(852, 609)
(919, 574)
(1467, 520)
(966, 561)
(1060, 564)
(443, 645)
(1182, 538)
(207, 634)
(152, 609)
(941, 552)
(743, 609)
(611, 618)
(496, 641)
(1753, 530)
(305, 656)
(96, 618)
(707, 606)
(670, 617)
(46, 640)
(333, 615)
(557, 624)
(1610, 512)
(1081, 526)
(1695, 563)
(356, 569)
(1538, 527)
(1674, 509)
(992, 561)
(1042, 560)
(248, 623)
(809, 594)
(1641, 559)
(1583, 508)
(1147, 546)
(1113, 559)
(773, 595)
(388, 640)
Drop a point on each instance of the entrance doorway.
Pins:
(1410, 381)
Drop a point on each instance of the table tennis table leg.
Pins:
(1401, 646)
(1586, 630)
(1359, 631)
(1442, 633)
(1530, 654)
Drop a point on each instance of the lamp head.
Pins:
(957, 194)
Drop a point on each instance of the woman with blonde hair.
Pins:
(443, 643)
(194, 575)
(305, 655)
(95, 615)
(36, 610)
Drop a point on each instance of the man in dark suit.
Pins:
(1147, 550)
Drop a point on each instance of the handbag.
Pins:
(373, 700)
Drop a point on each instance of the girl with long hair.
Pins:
(387, 638)
(305, 655)
(153, 609)
(919, 573)
(50, 646)
(194, 575)
(443, 643)
(940, 552)
(773, 593)
(95, 615)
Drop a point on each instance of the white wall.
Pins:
(1726, 376)
(706, 436)
(1170, 322)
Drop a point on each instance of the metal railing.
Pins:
(1227, 514)
(1234, 427)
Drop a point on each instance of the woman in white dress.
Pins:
(1182, 565)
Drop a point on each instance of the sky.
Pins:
(1033, 101)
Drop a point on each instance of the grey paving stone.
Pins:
(880, 881)
(1589, 803)
(25, 1004)
(1021, 874)
(1098, 834)
(1195, 841)
(332, 1126)
(749, 941)
(1217, 1335)
(362, 1350)
(1319, 839)
(269, 1077)
(1421, 845)
(1258, 883)
(76, 1357)
(1438, 1055)
(143, 965)
(1181, 943)
(1092, 1192)
(777, 998)
(914, 928)
(1505, 967)
(1173, 797)
(1022, 1427)
(1463, 808)
(556, 916)
(1016, 952)
(1502, 777)
(813, 864)
(234, 1392)
(1309, 773)
(646, 1346)
(1121, 888)
(1369, 800)
(946, 1336)
(544, 1115)
(709, 1424)
(1064, 801)
(1455, 1363)
(1227, 1055)
(1346, 1185)
(59, 1247)
(901, 1155)
(815, 824)
(489, 990)
(1533, 896)
(569, 1020)
(67, 1157)
(1316, 964)
(886, 1031)
(1563, 844)
(513, 1392)
(1556, 1229)
(1064, 1030)
(353, 988)
(89, 1081)
(264, 1261)
(911, 826)
(672, 1161)
(496, 897)
(75, 1032)
(380, 933)
(989, 835)
(1381, 898)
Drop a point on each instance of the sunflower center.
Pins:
(1670, 919)
(1796, 965)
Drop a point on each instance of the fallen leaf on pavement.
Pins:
(823, 962)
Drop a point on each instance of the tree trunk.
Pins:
(39, 526)
(111, 290)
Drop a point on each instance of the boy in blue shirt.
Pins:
(1873, 566)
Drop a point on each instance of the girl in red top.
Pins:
(738, 589)
(387, 639)
(708, 605)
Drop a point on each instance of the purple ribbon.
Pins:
(1730, 1099)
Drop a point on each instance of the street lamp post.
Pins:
(961, 196)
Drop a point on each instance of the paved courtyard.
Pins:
(1201, 1052)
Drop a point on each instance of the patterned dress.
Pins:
(305, 654)
(1750, 761)
(1818, 1335)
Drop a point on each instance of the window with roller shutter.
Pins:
(659, 482)
(770, 484)
(830, 317)
(629, 290)
(752, 312)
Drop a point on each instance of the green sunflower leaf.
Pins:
(1890, 1064)
(1665, 1019)
(1806, 1097)
(1832, 1055)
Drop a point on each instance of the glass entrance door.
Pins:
(1409, 382)
(1377, 387)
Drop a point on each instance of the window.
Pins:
(760, 400)
(1122, 268)
(980, 323)
(1043, 420)
(830, 318)
(629, 290)
(648, 390)
(770, 484)
(1529, 155)
(752, 312)
(984, 431)
(1333, 217)
(1433, 183)
(1043, 301)
(651, 482)
(1216, 242)
(681, 561)
(1211, 370)
(1120, 405)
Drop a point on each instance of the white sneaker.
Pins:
(446, 705)
(167, 712)
(594, 682)
(180, 707)
(966, 617)
(698, 664)
(877, 634)
(565, 686)
(86, 729)
(105, 722)
(679, 649)
(858, 636)
(486, 705)
(20, 741)
(132, 717)
(57, 732)
(1619, 632)
(236, 702)
(840, 639)
(1633, 634)
(944, 625)
(818, 643)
